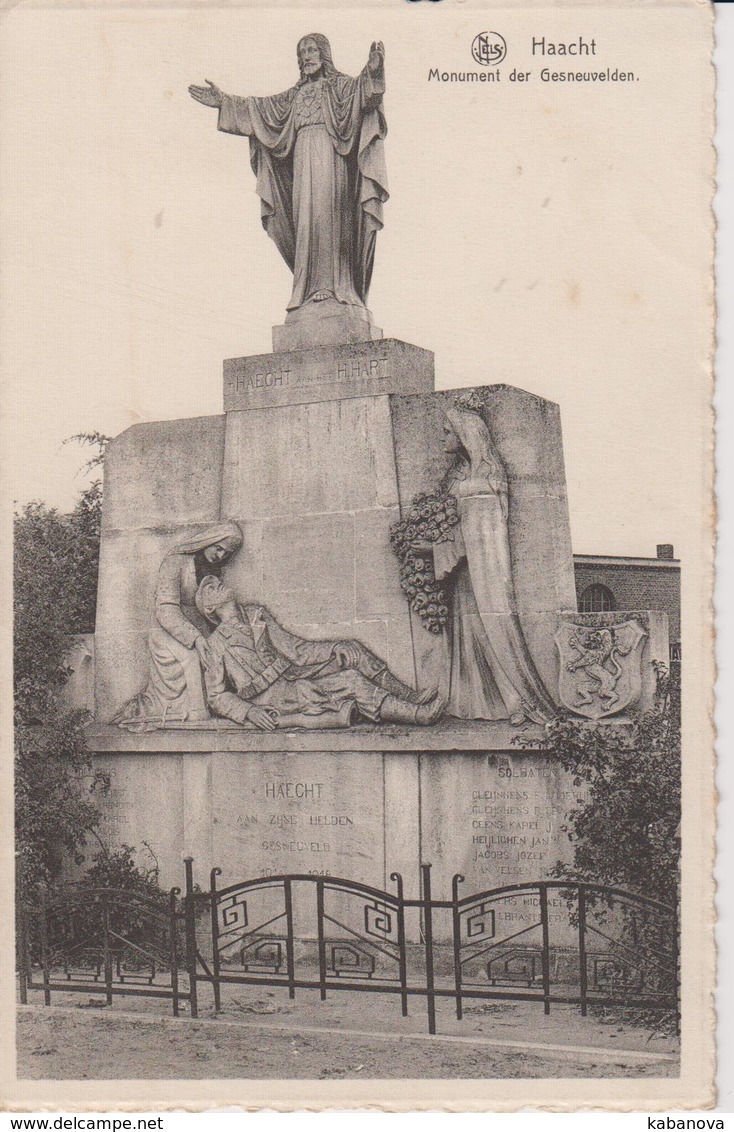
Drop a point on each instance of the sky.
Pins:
(549, 238)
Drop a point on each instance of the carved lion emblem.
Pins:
(601, 667)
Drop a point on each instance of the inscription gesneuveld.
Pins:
(299, 824)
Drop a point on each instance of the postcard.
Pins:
(359, 374)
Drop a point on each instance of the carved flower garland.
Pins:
(431, 519)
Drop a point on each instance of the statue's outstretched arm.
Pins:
(209, 95)
(376, 61)
(372, 78)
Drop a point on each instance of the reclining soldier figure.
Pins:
(259, 673)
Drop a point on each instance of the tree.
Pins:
(626, 829)
(55, 571)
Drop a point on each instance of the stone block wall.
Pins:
(162, 483)
(315, 488)
(493, 816)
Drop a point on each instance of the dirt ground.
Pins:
(261, 1034)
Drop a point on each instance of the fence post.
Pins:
(583, 972)
(402, 954)
(107, 952)
(676, 969)
(543, 889)
(428, 935)
(456, 919)
(322, 941)
(215, 937)
(190, 924)
(21, 927)
(173, 929)
(289, 942)
(44, 948)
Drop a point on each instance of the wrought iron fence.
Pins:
(107, 941)
(543, 941)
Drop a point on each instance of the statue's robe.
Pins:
(317, 152)
(493, 675)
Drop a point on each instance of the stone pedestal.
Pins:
(327, 323)
(493, 815)
(321, 449)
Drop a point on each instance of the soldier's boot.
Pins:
(394, 710)
(387, 680)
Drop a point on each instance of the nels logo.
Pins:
(488, 48)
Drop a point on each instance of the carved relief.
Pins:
(262, 675)
(250, 670)
(456, 570)
(177, 640)
(601, 667)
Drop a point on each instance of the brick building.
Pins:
(615, 582)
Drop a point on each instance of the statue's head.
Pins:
(212, 595)
(466, 431)
(217, 544)
(220, 551)
(314, 56)
(451, 442)
(464, 426)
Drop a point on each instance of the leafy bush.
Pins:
(55, 572)
(626, 830)
(116, 895)
(55, 785)
(118, 869)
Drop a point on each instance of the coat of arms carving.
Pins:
(601, 667)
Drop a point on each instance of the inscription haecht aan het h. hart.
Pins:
(350, 370)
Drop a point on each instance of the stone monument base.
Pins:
(493, 813)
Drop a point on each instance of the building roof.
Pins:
(627, 563)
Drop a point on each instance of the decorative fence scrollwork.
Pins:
(545, 941)
(564, 942)
(101, 941)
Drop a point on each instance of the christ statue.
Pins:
(317, 153)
